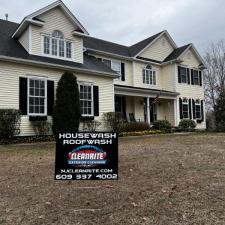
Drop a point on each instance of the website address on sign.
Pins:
(86, 171)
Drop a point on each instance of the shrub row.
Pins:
(9, 123)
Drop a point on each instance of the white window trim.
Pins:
(113, 60)
(184, 66)
(198, 84)
(50, 48)
(92, 97)
(185, 103)
(28, 96)
(198, 104)
(150, 70)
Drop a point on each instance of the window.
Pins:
(86, 99)
(46, 45)
(68, 49)
(198, 109)
(149, 76)
(55, 45)
(116, 66)
(61, 48)
(195, 77)
(185, 108)
(183, 74)
(37, 96)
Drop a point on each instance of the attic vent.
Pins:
(163, 42)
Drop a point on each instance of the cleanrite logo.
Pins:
(87, 155)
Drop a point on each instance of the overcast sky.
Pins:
(129, 21)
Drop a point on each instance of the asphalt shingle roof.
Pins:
(12, 48)
(176, 53)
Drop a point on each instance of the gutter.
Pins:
(56, 66)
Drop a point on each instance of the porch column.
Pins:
(148, 110)
(175, 113)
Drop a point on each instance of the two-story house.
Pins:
(150, 80)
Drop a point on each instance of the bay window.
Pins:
(86, 99)
(37, 93)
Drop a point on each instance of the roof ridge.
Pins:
(108, 41)
(148, 38)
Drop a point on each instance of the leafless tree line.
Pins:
(214, 76)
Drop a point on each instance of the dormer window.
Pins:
(55, 45)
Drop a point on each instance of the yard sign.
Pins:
(86, 156)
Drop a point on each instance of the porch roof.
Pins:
(144, 92)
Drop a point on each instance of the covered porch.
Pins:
(146, 105)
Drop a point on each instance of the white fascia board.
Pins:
(66, 10)
(57, 66)
(151, 43)
(145, 93)
(23, 26)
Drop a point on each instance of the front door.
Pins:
(120, 105)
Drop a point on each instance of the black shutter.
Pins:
(50, 94)
(96, 100)
(181, 108)
(202, 110)
(193, 108)
(122, 71)
(200, 78)
(179, 76)
(188, 75)
(192, 77)
(124, 107)
(23, 95)
(190, 112)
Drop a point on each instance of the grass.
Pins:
(163, 180)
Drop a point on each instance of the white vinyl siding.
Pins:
(55, 19)
(9, 86)
(158, 50)
(24, 39)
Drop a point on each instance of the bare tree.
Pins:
(215, 74)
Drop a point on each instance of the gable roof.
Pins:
(122, 50)
(176, 53)
(12, 49)
(136, 48)
(32, 18)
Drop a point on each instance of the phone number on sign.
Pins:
(86, 176)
